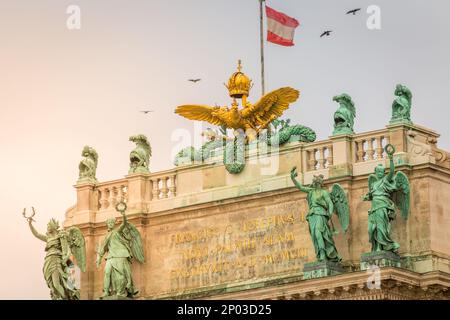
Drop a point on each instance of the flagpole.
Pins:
(261, 35)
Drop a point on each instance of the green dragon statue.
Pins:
(234, 148)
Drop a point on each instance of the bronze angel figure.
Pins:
(385, 193)
(322, 204)
(62, 246)
(120, 246)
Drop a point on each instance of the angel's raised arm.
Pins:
(124, 222)
(35, 232)
(390, 175)
(297, 184)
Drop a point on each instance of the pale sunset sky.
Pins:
(61, 89)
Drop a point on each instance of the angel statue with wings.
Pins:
(61, 247)
(120, 246)
(385, 193)
(322, 204)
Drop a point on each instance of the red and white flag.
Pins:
(280, 27)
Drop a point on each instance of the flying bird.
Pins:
(326, 33)
(146, 111)
(194, 80)
(354, 11)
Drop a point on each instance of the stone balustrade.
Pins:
(338, 156)
(319, 155)
(370, 146)
(164, 186)
(111, 193)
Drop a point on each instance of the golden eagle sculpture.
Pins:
(251, 116)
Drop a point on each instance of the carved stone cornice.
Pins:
(396, 284)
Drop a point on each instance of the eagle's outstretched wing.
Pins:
(401, 197)
(270, 106)
(341, 206)
(213, 115)
(77, 244)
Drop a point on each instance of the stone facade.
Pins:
(211, 234)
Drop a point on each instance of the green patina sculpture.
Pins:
(214, 141)
(344, 117)
(88, 166)
(120, 246)
(234, 147)
(401, 107)
(322, 204)
(280, 122)
(386, 192)
(140, 156)
(61, 247)
(290, 133)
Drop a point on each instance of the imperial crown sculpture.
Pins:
(255, 117)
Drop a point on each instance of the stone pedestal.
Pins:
(342, 156)
(321, 269)
(139, 190)
(380, 259)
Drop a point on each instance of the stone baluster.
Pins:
(113, 196)
(155, 191)
(360, 153)
(379, 149)
(122, 193)
(330, 155)
(164, 188)
(104, 194)
(312, 160)
(370, 151)
(173, 187)
(99, 197)
(321, 160)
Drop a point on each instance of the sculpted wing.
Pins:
(352, 109)
(401, 197)
(213, 115)
(271, 105)
(134, 237)
(372, 179)
(341, 206)
(77, 244)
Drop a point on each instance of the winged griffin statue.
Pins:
(251, 118)
(62, 246)
(322, 204)
(385, 193)
(120, 246)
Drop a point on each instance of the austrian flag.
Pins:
(280, 27)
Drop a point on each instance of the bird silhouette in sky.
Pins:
(146, 111)
(194, 80)
(326, 33)
(354, 11)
